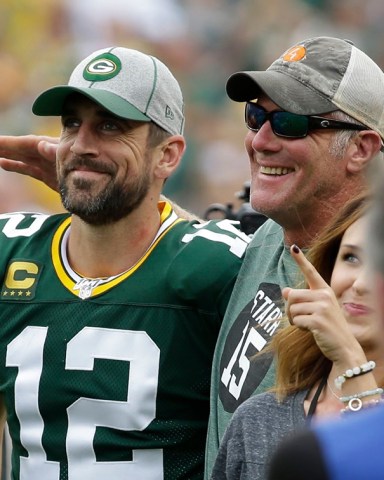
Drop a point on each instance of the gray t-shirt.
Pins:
(255, 430)
(253, 316)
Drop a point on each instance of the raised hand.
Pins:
(32, 155)
(316, 309)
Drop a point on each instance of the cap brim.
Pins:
(287, 92)
(51, 102)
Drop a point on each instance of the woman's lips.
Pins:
(357, 309)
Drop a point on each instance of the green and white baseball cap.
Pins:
(126, 82)
(319, 75)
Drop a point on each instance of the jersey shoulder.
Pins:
(212, 248)
(205, 258)
(213, 236)
(19, 229)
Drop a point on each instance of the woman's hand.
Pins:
(31, 155)
(317, 309)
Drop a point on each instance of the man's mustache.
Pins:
(78, 163)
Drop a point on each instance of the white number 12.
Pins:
(86, 414)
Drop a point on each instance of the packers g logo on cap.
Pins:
(103, 67)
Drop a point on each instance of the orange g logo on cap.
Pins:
(295, 54)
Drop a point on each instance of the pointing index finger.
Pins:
(311, 275)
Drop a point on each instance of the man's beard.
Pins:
(113, 203)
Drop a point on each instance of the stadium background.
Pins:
(202, 41)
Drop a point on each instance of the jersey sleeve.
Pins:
(207, 263)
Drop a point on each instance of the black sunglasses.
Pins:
(291, 125)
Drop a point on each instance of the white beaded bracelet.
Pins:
(354, 372)
(367, 393)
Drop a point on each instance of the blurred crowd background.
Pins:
(202, 41)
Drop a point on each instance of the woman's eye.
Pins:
(350, 258)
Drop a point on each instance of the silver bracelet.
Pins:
(354, 372)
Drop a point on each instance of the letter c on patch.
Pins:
(21, 270)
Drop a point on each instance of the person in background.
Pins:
(110, 312)
(315, 122)
(334, 328)
(349, 448)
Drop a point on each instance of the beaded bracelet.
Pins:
(355, 404)
(354, 372)
(367, 393)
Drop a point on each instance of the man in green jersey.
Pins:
(110, 313)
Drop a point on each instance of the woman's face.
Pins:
(351, 283)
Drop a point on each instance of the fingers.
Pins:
(14, 166)
(52, 140)
(21, 168)
(311, 275)
(305, 308)
(47, 149)
(30, 155)
(285, 293)
(15, 147)
(28, 148)
(300, 304)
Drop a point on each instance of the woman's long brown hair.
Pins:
(300, 364)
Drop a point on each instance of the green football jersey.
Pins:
(108, 379)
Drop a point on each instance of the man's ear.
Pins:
(362, 149)
(170, 153)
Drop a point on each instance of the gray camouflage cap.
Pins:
(316, 76)
(126, 82)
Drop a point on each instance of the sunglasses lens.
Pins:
(254, 116)
(284, 124)
(289, 124)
